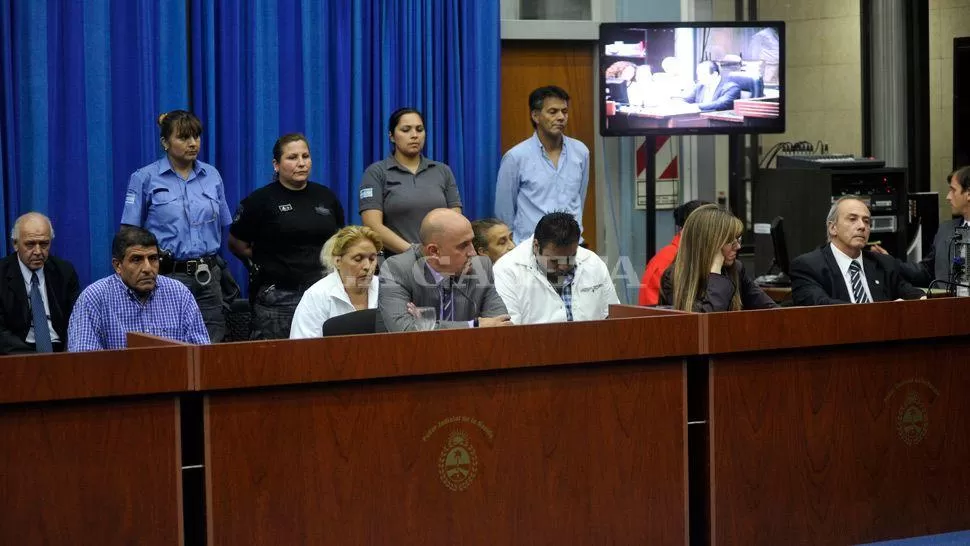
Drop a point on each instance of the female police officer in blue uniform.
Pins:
(182, 201)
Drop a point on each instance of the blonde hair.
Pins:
(706, 230)
(337, 245)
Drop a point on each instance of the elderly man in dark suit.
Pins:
(842, 271)
(713, 93)
(38, 291)
(443, 272)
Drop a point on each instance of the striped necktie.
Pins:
(855, 277)
(447, 301)
(42, 334)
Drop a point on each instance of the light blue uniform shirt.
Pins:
(529, 187)
(187, 216)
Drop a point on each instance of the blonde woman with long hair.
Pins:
(350, 257)
(706, 275)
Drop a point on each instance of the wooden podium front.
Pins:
(839, 425)
(90, 447)
(552, 434)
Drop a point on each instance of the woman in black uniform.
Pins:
(278, 231)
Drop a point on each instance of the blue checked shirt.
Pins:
(108, 309)
(566, 293)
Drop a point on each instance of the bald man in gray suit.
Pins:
(443, 272)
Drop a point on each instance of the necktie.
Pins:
(855, 277)
(42, 335)
(447, 301)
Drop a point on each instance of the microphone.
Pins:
(456, 288)
(951, 286)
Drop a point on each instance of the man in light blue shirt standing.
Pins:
(544, 173)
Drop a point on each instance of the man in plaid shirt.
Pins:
(134, 299)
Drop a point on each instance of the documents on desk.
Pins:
(724, 115)
(659, 111)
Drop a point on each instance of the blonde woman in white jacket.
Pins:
(350, 256)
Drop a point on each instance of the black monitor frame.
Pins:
(757, 126)
(779, 245)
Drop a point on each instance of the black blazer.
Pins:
(817, 280)
(15, 317)
(937, 261)
(720, 290)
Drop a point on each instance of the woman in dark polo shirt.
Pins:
(397, 192)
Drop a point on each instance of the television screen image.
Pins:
(692, 78)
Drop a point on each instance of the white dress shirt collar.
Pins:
(844, 261)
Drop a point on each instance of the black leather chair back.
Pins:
(358, 322)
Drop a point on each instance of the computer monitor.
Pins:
(780, 246)
(780, 261)
(692, 78)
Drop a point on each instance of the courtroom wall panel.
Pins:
(528, 64)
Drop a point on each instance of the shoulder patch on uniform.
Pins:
(366, 193)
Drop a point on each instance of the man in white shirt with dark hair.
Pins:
(550, 278)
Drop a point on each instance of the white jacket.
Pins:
(531, 299)
(326, 299)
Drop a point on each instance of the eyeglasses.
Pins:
(736, 241)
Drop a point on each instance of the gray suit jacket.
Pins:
(405, 279)
(936, 263)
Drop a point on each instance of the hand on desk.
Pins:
(501, 320)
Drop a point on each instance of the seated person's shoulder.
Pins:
(62, 264)
(481, 264)
(807, 259)
(667, 286)
(592, 257)
(884, 260)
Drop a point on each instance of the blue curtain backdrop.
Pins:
(84, 81)
(335, 71)
(82, 85)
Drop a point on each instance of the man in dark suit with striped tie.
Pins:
(38, 290)
(843, 271)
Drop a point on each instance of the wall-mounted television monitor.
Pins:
(692, 78)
